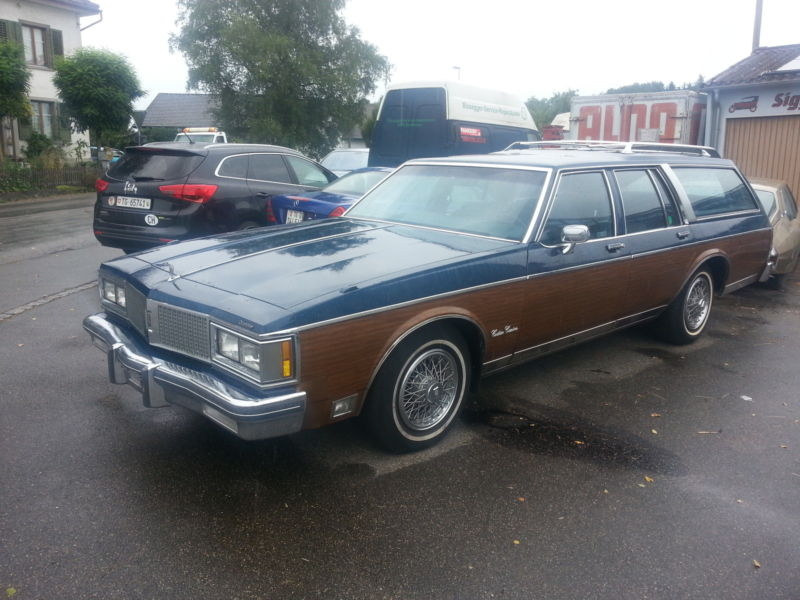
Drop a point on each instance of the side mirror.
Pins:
(571, 235)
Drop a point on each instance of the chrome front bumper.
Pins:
(251, 417)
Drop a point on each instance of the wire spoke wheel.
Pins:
(419, 390)
(698, 304)
(428, 390)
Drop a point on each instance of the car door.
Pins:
(574, 290)
(269, 175)
(656, 236)
(786, 237)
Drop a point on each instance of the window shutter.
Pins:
(48, 48)
(58, 43)
(25, 128)
(11, 31)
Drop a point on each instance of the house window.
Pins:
(42, 119)
(33, 39)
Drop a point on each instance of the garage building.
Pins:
(754, 114)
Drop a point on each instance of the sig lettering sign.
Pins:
(673, 117)
(769, 102)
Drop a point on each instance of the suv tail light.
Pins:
(337, 212)
(191, 192)
(101, 185)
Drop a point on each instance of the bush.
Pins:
(14, 178)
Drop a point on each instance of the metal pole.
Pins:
(757, 25)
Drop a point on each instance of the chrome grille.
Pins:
(136, 309)
(181, 330)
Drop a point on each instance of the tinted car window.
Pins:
(581, 199)
(767, 200)
(233, 166)
(643, 208)
(345, 160)
(673, 217)
(356, 184)
(791, 205)
(269, 167)
(714, 191)
(307, 173)
(143, 165)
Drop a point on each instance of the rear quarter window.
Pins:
(143, 165)
(715, 191)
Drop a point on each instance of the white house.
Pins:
(47, 29)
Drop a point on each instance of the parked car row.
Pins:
(169, 191)
(446, 270)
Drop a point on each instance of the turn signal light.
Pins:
(286, 358)
(191, 192)
(101, 185)
(337, 212)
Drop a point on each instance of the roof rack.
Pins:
(622, 147)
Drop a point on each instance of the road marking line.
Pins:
(36, 303)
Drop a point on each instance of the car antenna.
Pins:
(186, 133)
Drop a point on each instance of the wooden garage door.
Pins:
(766, 147)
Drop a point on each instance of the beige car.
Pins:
(778, 201)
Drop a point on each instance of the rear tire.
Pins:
(419, 390)
(247, 225)
(686, 317)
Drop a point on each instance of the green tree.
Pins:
(288, 72)
(368, 124)
(98, 89)
(14, 85)
(544, 110)
(650, 86)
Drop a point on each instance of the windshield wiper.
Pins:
(148, 178)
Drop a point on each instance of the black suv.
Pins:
(163, 192)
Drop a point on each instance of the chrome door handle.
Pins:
(682, 235)
(615, 246)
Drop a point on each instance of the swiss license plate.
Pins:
(129, 202)
(294, 216)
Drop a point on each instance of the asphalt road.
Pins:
(623, 469)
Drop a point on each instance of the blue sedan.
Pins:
(331, 201)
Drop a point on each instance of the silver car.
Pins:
(779, 203)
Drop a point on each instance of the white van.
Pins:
(418, 120)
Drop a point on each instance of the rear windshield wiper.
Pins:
(148, 178)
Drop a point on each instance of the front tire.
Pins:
(419, 390)
(687, 315)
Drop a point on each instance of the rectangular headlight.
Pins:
(269, 361)
(113, 292)
(228, 345)
(250, 355)
(109, 291)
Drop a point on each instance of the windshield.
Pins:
(340, 160)
(148, 165)
(356, 184)
(494, 202)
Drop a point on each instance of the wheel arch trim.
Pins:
(434, 320)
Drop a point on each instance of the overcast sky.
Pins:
(527, 47)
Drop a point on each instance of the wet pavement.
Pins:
(623, 468)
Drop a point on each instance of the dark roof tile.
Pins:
(180, 110)
(760, 67)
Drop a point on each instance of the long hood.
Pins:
(328, 268)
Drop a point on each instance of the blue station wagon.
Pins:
(448, 270)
